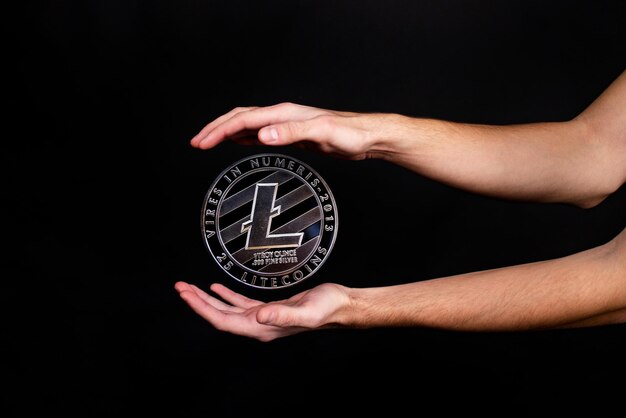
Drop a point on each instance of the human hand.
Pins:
(311, 309)
(348, 135)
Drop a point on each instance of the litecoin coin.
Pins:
(269, 221)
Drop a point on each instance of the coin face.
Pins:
(269, 221)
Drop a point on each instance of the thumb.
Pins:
(288, 132)
(277, 315)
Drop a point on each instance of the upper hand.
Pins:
(347, 135)
(308, 310)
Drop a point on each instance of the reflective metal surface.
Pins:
(269, 221)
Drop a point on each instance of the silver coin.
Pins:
(269, 221)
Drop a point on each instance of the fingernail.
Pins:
(269, 135)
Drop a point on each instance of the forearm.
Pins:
(543, 162)
(585, 288)
(580, 161)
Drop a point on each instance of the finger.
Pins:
(233, 297)
(181, 286)
(255, 119)
(217, 318)
(209, 127)
(315, 130)
(216, 303)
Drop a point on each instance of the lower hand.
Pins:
(312, 309)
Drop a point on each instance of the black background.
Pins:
(102, 195)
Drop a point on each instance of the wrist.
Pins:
(352, 312)
(385, 134)
(397, 138)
